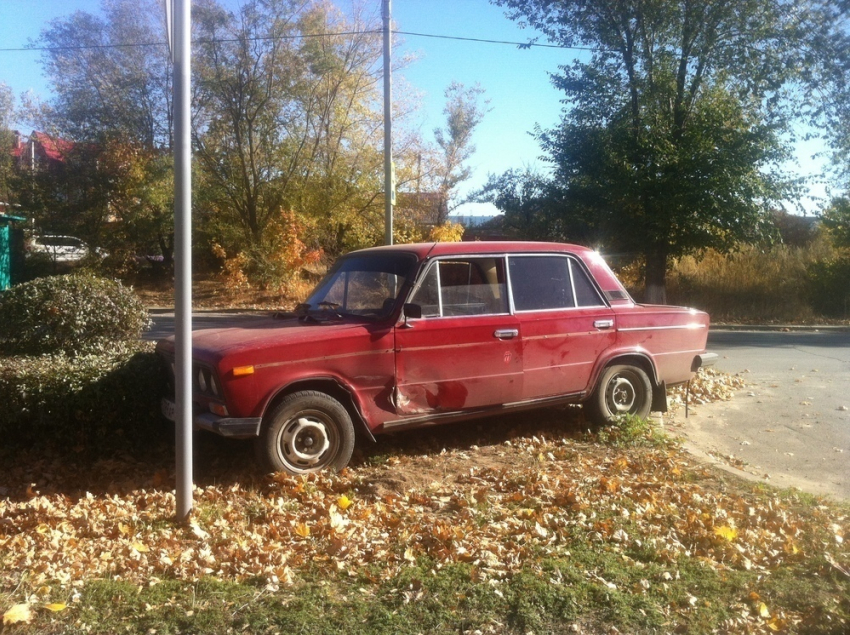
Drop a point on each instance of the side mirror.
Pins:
(411, 312)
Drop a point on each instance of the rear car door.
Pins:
(466, 350)
(565, 323)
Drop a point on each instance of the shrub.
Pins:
(751, 284)
(75, 313)
(829, 286)
(274, 262)
(99, 403)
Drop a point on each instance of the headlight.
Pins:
(202, 381)
(214, 385)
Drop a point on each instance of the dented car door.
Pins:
(466, 349)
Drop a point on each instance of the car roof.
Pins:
(423, 250)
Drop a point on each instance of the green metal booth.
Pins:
(11, 250)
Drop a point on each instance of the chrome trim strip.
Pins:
(323, 358)
(556, 367)
(690, 327)
(530, 338)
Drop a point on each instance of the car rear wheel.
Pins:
(622, 390)
(307, 432)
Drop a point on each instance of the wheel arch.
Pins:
(331, 387)
(641, 360)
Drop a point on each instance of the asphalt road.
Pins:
(790, 426)
(163, 323)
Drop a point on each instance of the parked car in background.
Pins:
(64, 249)
(412, 335)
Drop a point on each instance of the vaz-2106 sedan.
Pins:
(412, 335)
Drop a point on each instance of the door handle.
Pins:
(506, 334)
(603, 324)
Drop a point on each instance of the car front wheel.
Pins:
(307, 432)
(622, 390)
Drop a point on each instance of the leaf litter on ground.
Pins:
(498, 495)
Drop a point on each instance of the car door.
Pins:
(465, 351)
(565, 323)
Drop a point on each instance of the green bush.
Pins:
(75, 313)
(97, 403)
(829, 287)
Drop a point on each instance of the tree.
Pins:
(836, 220)
(676, 127)
(7, 141)
(463, 111)
(109, 74)
(527, 198)
(112, 109)
(288, 120)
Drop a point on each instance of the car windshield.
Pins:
(364, 285)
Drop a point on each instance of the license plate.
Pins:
(169, 410)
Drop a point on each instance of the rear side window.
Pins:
(540, 283)
(586, 293)
(463, 286)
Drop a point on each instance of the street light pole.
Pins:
(389, 185)
(182, 53)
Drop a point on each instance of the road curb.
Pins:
(784, 328)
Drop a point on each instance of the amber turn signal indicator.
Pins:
(241, 371)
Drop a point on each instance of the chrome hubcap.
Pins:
(305, 441)
(621, 395)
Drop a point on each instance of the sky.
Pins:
(517, 82)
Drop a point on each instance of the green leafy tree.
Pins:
(111, 111)
(7, 141)
(836, 220)
(109, 74)
(288, 119)
(677, 125)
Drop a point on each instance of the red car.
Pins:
(411, 335)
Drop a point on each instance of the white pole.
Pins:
(389, 186)
(182, 15)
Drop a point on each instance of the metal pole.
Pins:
(183, 253)
(389, 186)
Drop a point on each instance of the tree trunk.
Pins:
(656, 277)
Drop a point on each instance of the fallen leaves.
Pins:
(18, 614)
(707, 386)
(496, 507)
(492, 517)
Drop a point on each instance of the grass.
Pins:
(636, 592)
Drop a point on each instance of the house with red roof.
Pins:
(40, 151)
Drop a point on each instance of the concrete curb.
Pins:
(783, 328)
(245, 311)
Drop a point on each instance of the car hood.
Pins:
(263, 336)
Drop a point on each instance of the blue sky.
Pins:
(516, 81)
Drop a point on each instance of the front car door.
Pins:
(466, 351)
(565, 323)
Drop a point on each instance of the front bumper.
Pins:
(232, 427)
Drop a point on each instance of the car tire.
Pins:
(308, 431)
(622, 390)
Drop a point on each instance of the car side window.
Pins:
(428, 294)
(463, 286)
(540, 282)
(586, 293)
